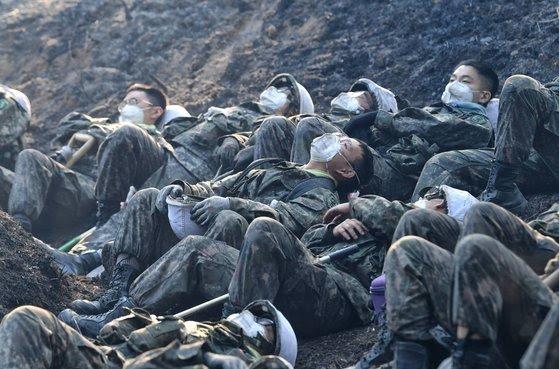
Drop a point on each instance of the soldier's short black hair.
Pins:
(363, 167)
(487, 73)
(155, 95)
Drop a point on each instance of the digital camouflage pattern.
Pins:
(275, 265)
(6, 181)
(15, 121)
(542, 352)
(528, 118)
(34, 338)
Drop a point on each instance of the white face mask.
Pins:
(273, 99)
(347, 102)
(325, 147)
(248, 322)
(132, 114)
(457, 92)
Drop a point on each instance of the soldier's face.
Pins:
(141, 100)
(341, 166)
(470, 76)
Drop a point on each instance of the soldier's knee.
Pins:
(272, 124)
(308, 126)
(480, 212)
(518, 83)
(31, 155)
(124, 133)
(192, 243)
(474, 246)
(404, 246)
(24, 315)
(147, 195)
(261, 227)
(229, 219)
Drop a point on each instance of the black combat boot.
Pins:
(502, 190)
(90, 325)
(126, 270)
(471, 354)
(410, 355)
(105, 210)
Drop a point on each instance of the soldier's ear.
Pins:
(346, 173)
(484, 97)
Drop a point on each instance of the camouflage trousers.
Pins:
(483, 218)
(528, 118)
(6, 181)
(469, 170)
(33, 338)
(542, 352)
(274, 138)
(274, 265)
(307, 130)
(49, 193)
(483, 286)
(127, 157)
(146, 234)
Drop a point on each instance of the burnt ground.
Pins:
(28, 275)
(80, 54)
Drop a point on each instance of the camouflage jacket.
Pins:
(380, 217)
(99, 128)
(464, 126)
(140, 341)
(262, 192)
(15, 121)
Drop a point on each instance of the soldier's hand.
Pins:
(341, 211)
(173, 191)
(227, 151)
(218, 361)
(552, 265)
(204, 211)
(350, 229)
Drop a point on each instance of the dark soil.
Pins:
(28, 275)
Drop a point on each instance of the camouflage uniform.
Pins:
(275, 265)
(34, 338)
(14, 121)
(146, 234)
(483, 218)
(542, 352)
(527, 137)
(46, 191)
(130, 157)
(427, 285)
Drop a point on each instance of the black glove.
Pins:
(226, 152)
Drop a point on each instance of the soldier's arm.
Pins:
(449, 131)
(297, 215)
(379, 215)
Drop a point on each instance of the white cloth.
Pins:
(174, 111)
(458, 202)
(385, 98)
(493, 112)
(20, 98)
(306, 105)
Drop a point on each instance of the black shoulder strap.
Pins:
(308, 185)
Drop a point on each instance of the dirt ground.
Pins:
(29, 277)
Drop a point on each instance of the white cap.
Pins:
(20, 98)
(173, 112)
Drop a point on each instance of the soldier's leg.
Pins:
(42, 185)
(496, 296)
(542, 352)
(6, 180)
(498, 223)
(274, 265)
(229, 227)
(307, 130)
(195, 270)
(274, 139)
(143, 237)
(33, 338)
(467, 170)
(418, 286)
(126, 158)
(433, 226)
(525, 106)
